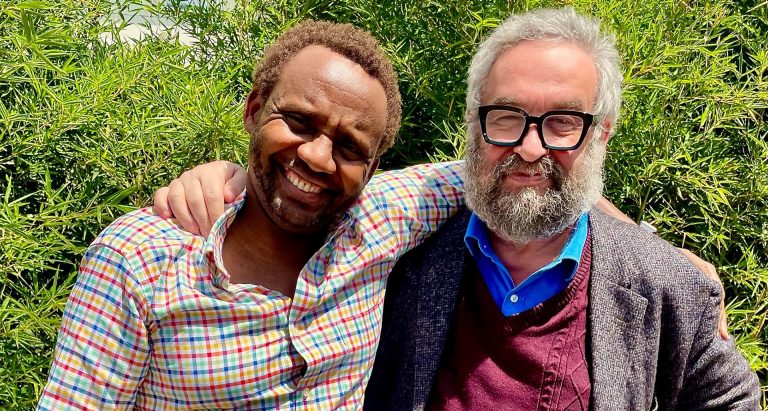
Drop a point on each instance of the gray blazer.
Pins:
(652, 326)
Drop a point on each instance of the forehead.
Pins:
(318, 63)
(320, 82)
(541, 75)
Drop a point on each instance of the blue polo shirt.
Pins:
(539, 286)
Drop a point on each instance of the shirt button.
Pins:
(513, 298)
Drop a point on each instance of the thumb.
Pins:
(235, 184)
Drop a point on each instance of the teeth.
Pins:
(302, 184)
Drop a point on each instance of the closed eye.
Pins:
(349, 150)
(299, 123)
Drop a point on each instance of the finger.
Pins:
(178, 204)
(710, 271)
(703, 266)
(212, 191)
(610, 209)
(160, 203)
(195, 199)
(235, 184)
(723, 326)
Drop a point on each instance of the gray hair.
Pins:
(559, 25)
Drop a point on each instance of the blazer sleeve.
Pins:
(717, 377)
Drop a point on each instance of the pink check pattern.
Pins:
(154, 324)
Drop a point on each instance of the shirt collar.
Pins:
(477, 241)
(476, 237)
(214, 243)
(574, 245)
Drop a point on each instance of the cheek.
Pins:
(492, 155)
(354, 178)
(276, 136)
(566, 159)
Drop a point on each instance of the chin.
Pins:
(295, 220)
(295, 217)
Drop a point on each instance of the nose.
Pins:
(531, 149)
(318, 154)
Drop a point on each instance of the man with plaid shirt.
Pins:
(280, 306)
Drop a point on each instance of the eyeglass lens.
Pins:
(559, 130)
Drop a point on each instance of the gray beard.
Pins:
(528, 214)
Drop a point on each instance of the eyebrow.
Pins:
(564, 105)
(569, 105)
(507, 101)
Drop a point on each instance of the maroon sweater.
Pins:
(535, 360)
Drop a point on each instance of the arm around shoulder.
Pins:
(417, 200)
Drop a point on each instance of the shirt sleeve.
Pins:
(414, 202)
(102, 349)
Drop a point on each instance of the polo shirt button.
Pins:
(513, 298)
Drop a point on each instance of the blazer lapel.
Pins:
(618, 346)
(617, 336)
(438, 288)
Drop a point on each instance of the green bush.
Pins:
(89, 130)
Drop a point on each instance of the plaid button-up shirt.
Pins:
(153, 322)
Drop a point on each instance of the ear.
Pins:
(606, 131)
(253, 105)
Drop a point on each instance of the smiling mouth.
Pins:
(302, 184)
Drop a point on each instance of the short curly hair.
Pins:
(351, 42)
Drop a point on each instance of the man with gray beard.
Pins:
(531, 298)
(536, 215)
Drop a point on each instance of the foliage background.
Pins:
(89, 129)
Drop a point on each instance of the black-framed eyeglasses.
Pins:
(558, 130)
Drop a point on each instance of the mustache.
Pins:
(544, 166)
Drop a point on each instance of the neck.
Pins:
(257, 251)
(524, 259)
